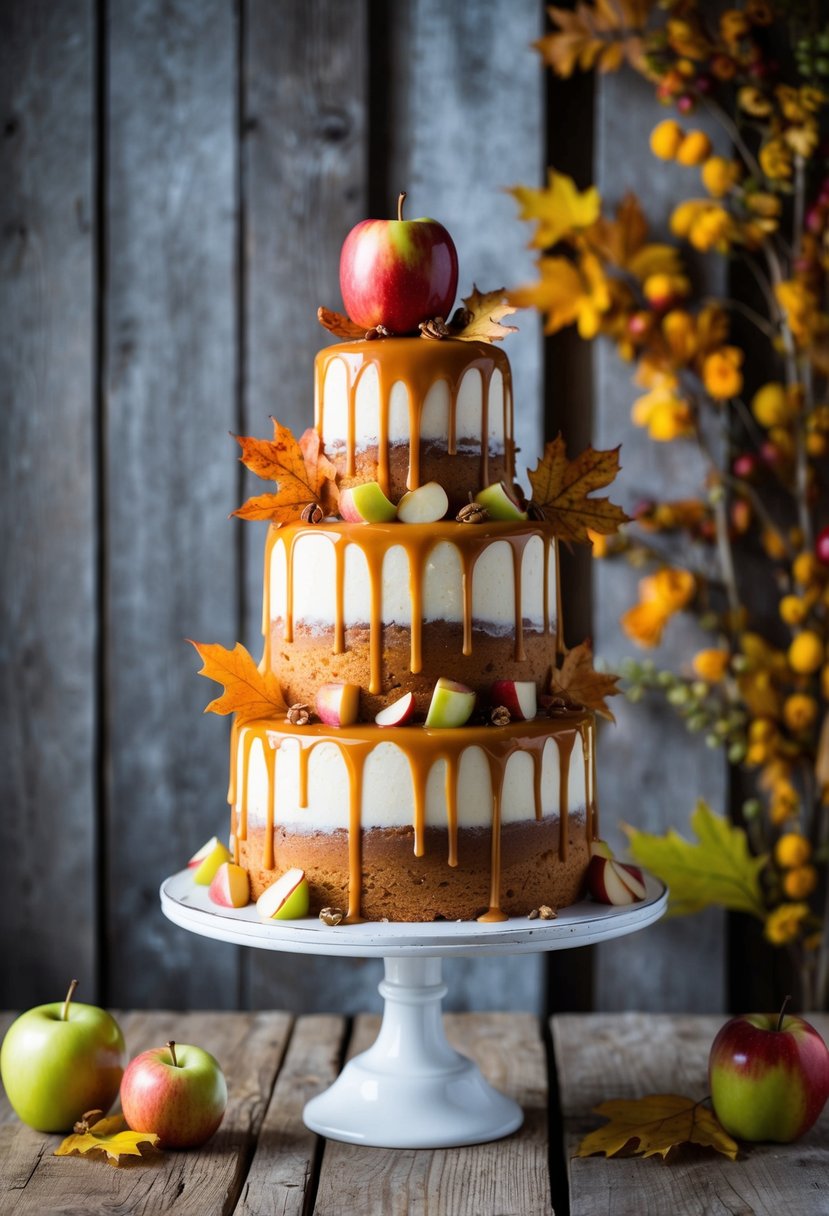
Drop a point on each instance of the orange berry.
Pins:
(694, 148)
(800, 882)
(799, 711)
(792, 610)
(805, 569)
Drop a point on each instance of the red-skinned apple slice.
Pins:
(366, 504)
(397, 714)
(451, 705)
(230, 887)
(614, 882)
(286, 899)
(518, 696)
(338, 704)
(499, 502)
(425, 505)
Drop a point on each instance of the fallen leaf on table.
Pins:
(109, 1136)
(653, 1125)
(303, 474)
(480, 318)
(561, 490)
(579, 684)
(248, 692)
(718, 868)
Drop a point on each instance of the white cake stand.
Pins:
(410, 1089)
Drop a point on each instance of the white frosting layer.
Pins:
(434, 419)
(493, 586)
(387, 788)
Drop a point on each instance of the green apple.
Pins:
(499, 502)
(60, 1060)
(366, 504)
(451, 705)
(205, 871)
(288, 898)
(177, 1091)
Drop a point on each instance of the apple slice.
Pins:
(205, 872)
(600, 848)
(499, 502)
(425, 505)
(451, 705)
(199, 857)
(400, 712)
(366, 504)
(518, 696)
(614, 882)
(286, 899)
(230, 886)
(338, 704)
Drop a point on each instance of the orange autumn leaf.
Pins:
(303, 474)
(109, 1136)
(339, 325)
(480, 318)
(579, 684)
(600, 35)
(248, 692)
(561, 489)
(653, 1126)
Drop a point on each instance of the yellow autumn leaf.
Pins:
(716, 869)
(480, 318)
(248, 692)
(559, 208)
(109, 1136)
(653, 1125)
(556, 292)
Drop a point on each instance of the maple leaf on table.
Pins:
(719, 868)
(561, 490)
(480, 318)
(559, 208)
(248, 692)
(579, 684)
(338, 325)
(109, 1136)
(303, 474)
(653, 1125)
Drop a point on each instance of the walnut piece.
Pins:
(299, 715)
(436, 328)
(312, 514)
(500, 716)
(547, 913)
(331, 916)
(472, 513)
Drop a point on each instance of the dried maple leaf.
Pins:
(248, 692)
(653, 1125)
(303, 474)
(338, 325)
(480, 318)
(580, 685)
(561, 488)
(110, 1136)
(559, 208)
(603, 36)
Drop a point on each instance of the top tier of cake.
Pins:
(404, 411)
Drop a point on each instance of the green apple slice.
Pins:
(451, 705)
(499, 502)
(366, 504)
(286, 899)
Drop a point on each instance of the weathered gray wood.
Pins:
(203, 1182)
(599, 1057)
(284, 1166)
(651, 770)
(48, 485)
(172, 568)
(509, 1177)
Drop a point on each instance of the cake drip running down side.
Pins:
(403, 413)
(429, 806)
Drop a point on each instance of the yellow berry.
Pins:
(817, 444)
(805, 569)
(761, 730)
(666, 139)
(799, 711)
(792, 610)
(711, 664)
(805, 654)
(800, 882)
(694, 149)
(792, 849)
(824, 683)
(719, 175)
(770, 405)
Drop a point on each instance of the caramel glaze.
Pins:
(418, 364)
(422, 747)
(418, 540)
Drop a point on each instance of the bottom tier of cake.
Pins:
(481, 821)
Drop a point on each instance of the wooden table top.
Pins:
(264, 1160)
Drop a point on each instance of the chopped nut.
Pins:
(436, 328)
(472, 513)
(532, 914)
(379, 331)
(312, 514)
(500, 716)
(331, 916)
(535, 512)
(547, 913)
(556, 706)
(299, 715)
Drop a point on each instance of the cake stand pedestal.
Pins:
(411, 1089)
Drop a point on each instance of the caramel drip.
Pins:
(231, 789)
(493, 913)
(419, 818)
(546, 587)
(267, 847)
(418, 366)
(468, 558)
(355, 755)
(303, 759)
(587, 753)
(266, 601)
(517, 566)
(288, 625)
(339, 596)
(451, 795)
(374, 558)
(565, 751)
(559, 614)
(538, 761)
(242, 825)
(594, 801)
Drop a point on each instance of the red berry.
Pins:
(685, 104)
(745, 465)
(822, 547)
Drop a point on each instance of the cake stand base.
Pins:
(411, 1089)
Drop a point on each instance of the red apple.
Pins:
(398, 713)
(519, 697)
(397, 273)
(177, 1091)
(769, 1076)
(614, 882)
(338, 704)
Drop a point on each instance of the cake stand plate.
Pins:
(411, 1089)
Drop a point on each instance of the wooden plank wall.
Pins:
(181, 175)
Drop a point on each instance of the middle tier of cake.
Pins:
(392, 607)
